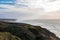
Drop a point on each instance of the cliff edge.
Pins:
(23, 31)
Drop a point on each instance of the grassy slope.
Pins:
(8, 36)
(24, 32)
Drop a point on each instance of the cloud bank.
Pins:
(31, 9)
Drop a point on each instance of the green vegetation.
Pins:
(8, 36)
(22, 31)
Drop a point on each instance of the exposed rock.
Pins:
(27, 31)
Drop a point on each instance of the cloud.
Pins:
(28, 9)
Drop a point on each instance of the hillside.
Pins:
(8, 36)
(22, 31)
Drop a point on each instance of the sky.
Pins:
(30, 9)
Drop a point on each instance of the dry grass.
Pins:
(8, 36)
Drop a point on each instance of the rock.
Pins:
(27, 32)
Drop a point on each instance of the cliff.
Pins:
(22, 31)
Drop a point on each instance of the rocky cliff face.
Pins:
(26, 31)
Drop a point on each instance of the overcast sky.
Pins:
(30, 9)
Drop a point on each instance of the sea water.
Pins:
(51, 25)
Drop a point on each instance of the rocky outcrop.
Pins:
(27, 31)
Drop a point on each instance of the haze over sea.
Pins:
(50, 24)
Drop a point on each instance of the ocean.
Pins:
(51, 25)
